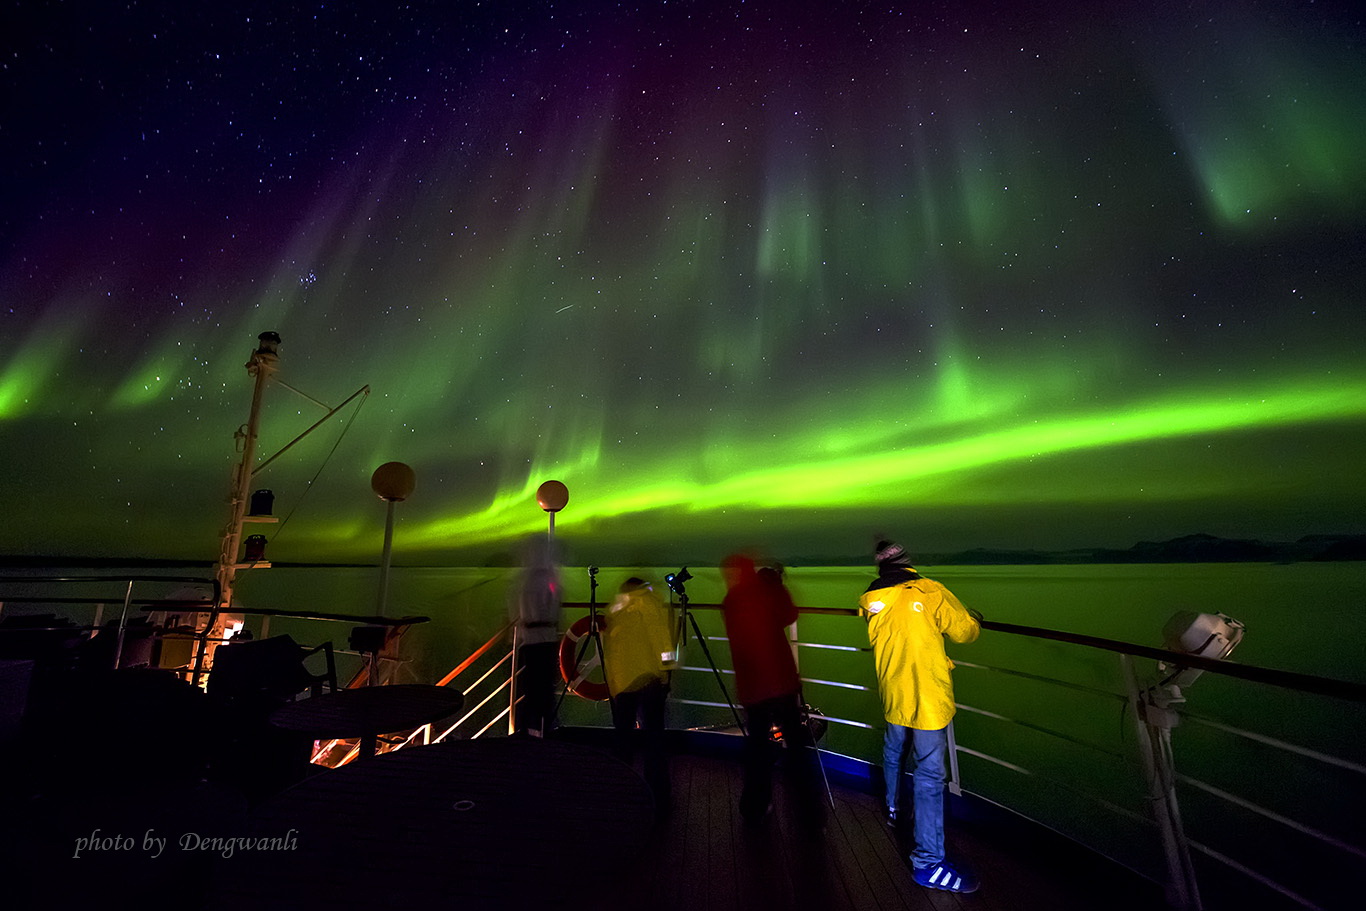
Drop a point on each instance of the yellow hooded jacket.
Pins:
(638, 631)
(906, 625)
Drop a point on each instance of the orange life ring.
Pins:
(576, 675)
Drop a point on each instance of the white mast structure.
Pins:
(262, 366)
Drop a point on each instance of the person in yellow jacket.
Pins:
(908, 617)
(637, 648)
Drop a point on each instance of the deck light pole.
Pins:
(392, 482)
(552, 497)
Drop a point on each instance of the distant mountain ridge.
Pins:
(1196, 548)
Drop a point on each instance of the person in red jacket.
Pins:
(757, 609)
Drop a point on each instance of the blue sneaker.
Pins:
(890, 817)
(944, 877)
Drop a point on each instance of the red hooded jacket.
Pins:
(756, 609)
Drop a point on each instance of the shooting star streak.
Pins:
(562, 309)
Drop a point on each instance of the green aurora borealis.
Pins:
(737, 275)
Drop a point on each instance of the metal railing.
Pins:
(97, 592)
(498, 661)
(491, 675)
(1091, 753)
(1066, 730)
(92, 595)
(88, 597)
(1309, 875)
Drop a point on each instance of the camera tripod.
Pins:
(594, 636)
(676, 585)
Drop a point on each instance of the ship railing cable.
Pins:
(364, 393)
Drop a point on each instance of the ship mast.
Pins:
(262, 364)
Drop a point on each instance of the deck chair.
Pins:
(268, 670)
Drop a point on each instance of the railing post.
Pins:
(512, 681)
(954, 783)
(123, 625)
(1153, 725)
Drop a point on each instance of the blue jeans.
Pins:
(930, 751)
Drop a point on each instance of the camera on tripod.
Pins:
(675, 581)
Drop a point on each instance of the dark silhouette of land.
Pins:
(1194, 548)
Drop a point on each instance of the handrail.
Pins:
(128, 581)
(424, 732)
(120, 578)
(330, 617)
(1147, 717)
(1294, 680)
(176, 605)
(1307, 683)
(135, 577)
(474, 656)
(1153, 719)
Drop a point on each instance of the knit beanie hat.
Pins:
(889, 553)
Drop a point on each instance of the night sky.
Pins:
(788, 274)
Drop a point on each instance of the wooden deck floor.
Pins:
(585, 839)
(702, 856)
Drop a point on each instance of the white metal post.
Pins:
(954, 783)
(262, 365)
(1153, 729)
(387, 558)
(512, 681)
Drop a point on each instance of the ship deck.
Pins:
(510, 824)
(569, 827)
(704, 857)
